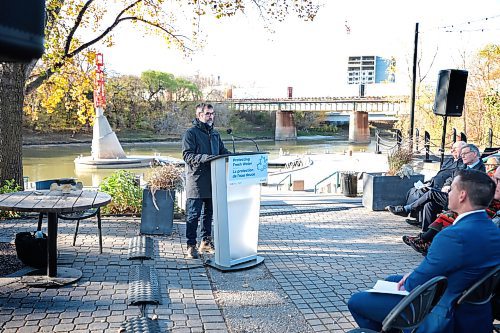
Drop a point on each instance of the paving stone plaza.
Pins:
(318, 250)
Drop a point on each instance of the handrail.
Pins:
(337, 184)
(281, 181)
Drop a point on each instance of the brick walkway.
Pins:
(313, 263)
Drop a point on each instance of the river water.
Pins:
(57, 161)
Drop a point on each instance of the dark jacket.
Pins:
(479, 167)
(199, 143)
(449, 167)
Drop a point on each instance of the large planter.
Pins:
(157, 221)
(380, 191)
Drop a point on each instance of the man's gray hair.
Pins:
(460, 144)
(473, 148)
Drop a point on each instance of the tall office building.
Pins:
(370, 69)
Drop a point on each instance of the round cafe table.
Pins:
(52, 203)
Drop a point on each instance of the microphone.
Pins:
(229, 131)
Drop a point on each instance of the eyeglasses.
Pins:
(465, 154)
(209, 114)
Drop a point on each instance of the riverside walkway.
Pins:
(318, 250)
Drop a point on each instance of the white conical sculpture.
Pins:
(105, 144)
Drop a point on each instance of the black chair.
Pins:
(76, 216)
(411, 311)
(495, 304)
(484, 291)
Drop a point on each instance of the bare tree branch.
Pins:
(76, 25)
(432, 63)
(33, 85)
(104, 33)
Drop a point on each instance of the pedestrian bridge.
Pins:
(359, 110)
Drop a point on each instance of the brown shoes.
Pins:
(206, 245)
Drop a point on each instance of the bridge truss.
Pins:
(397, 105)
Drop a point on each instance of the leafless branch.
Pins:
(432, 63)
(68, 55)
(76, 25)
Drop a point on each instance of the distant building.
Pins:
(370, 69)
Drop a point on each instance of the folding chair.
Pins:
(411, 311)
(484, 291)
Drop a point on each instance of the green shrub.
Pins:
(8, 187)
(126, 194)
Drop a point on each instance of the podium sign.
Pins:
(247, 169)
(236, 185)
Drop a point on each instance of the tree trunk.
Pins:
(12, 80)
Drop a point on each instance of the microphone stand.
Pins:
(234, 150)
(255, 143)
(230, 131)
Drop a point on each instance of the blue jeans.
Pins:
(198, 209)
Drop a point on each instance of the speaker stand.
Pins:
(443, 139)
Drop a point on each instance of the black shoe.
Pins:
(192, 252)
(397, 210)
(413, 222)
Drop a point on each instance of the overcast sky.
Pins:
(312, 56)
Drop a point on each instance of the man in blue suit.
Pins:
(463, 252)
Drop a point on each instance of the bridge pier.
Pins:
(359, 131)
(285, 126)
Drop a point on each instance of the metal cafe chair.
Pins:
(411, 311)
(75, 216)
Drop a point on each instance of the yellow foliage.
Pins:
(65, 95)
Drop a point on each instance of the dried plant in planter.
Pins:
(400, 162)
(166, 177)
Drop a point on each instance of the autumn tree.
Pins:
(63, 101)
(482, 98)
(74, 27)
(126, 105)
(156, 101)
(481, 105)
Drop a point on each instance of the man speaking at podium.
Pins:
(200, 143)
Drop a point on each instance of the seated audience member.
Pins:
(422, 241)
(450, 165)
(462, 253)
(491, 165)
(433, 202)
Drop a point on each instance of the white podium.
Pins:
(236, 181)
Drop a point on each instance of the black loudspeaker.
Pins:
(21, 29)
(450, 92)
